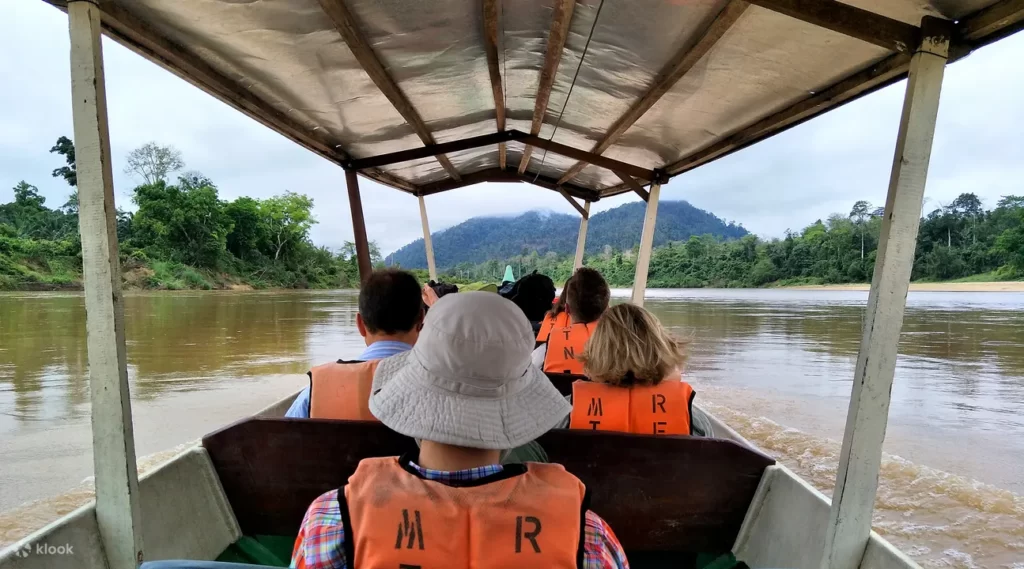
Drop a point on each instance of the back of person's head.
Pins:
(533, 294)
(629, 346)
(586, 295)
(390, 302)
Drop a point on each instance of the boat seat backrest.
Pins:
(657, 493)
(563, 381)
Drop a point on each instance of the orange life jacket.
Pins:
(551, 322)
(528, 515)
(564, 344)
(663, 409)
(341, 390)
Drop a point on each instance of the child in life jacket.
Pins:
(586, 296)
(468, 392)
(636, 386)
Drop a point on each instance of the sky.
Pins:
(788, 182)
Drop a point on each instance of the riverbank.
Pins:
(1004, 286)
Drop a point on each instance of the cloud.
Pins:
(804, 174)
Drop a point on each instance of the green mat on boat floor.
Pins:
(272, 550)
(276, 551)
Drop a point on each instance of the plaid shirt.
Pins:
(321, 540)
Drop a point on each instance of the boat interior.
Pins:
(588, 98)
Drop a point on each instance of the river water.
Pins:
(775, 364)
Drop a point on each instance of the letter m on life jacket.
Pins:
(410, 531)
(595, 409)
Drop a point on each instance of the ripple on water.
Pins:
(940, 519)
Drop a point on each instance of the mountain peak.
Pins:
(543, 230)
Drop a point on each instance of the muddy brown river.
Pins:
(775, 364)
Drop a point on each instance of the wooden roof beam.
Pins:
(506, 176)
(617, 166)
(491, 47)
(553, 56)
(568, 198)
(346, 25)
(636, 187)
(991, 20)
(680, 64)
(436, 149)
(864, 25)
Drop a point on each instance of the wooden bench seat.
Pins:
(684, 494)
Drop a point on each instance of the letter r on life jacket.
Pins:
(413, 530)
(658, 400)
(529, 535)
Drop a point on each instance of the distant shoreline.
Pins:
(1002, 286)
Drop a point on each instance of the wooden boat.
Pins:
(404, 93)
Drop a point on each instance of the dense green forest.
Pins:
(958, 240)
(482, 238)
(181, 235)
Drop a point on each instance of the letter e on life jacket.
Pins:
(527, 516)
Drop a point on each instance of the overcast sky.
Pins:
(787, 182)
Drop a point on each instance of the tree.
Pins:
(185, 222)
(153, 163)
(66, 148)
(860, 215)
(968, 206)
(248, 233)
(288, 219)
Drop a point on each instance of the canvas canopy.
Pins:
(661, 86)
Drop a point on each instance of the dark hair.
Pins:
(587, 295)
(533, 294)
(559, 305)
(390, 301)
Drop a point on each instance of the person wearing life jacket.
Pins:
(389, 318)
(533, 294)
(586, 298)
(467, 392)
(558, 316)
(636, 386)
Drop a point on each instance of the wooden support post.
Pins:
(358, 225)
(860, 461)
(427, 242)
(113, 439)
(643, 258)
(581, 241)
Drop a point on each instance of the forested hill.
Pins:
(482, 238)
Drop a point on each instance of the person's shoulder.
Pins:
(324, 510)
(601, 547)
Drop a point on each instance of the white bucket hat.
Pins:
(469, 380)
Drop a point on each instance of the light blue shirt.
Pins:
(375, 351)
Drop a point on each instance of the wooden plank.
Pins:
(633, 185)
(491, 26)
(272, 469)
(863, 82)
(583, 212)
(643, 257)
(677, 67)
(505, 176)
(435, 149)
(355, 203)
(560, 21)
(860, 460)
(845, 19)
(127, 30)
(589, 157)
(428, 243)
(118, 512)
(992, 20)
(581, 239)
(346, 25)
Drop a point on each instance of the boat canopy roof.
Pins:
(587, 97)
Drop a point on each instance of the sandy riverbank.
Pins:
(1006, 286)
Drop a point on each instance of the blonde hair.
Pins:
(629, 346)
